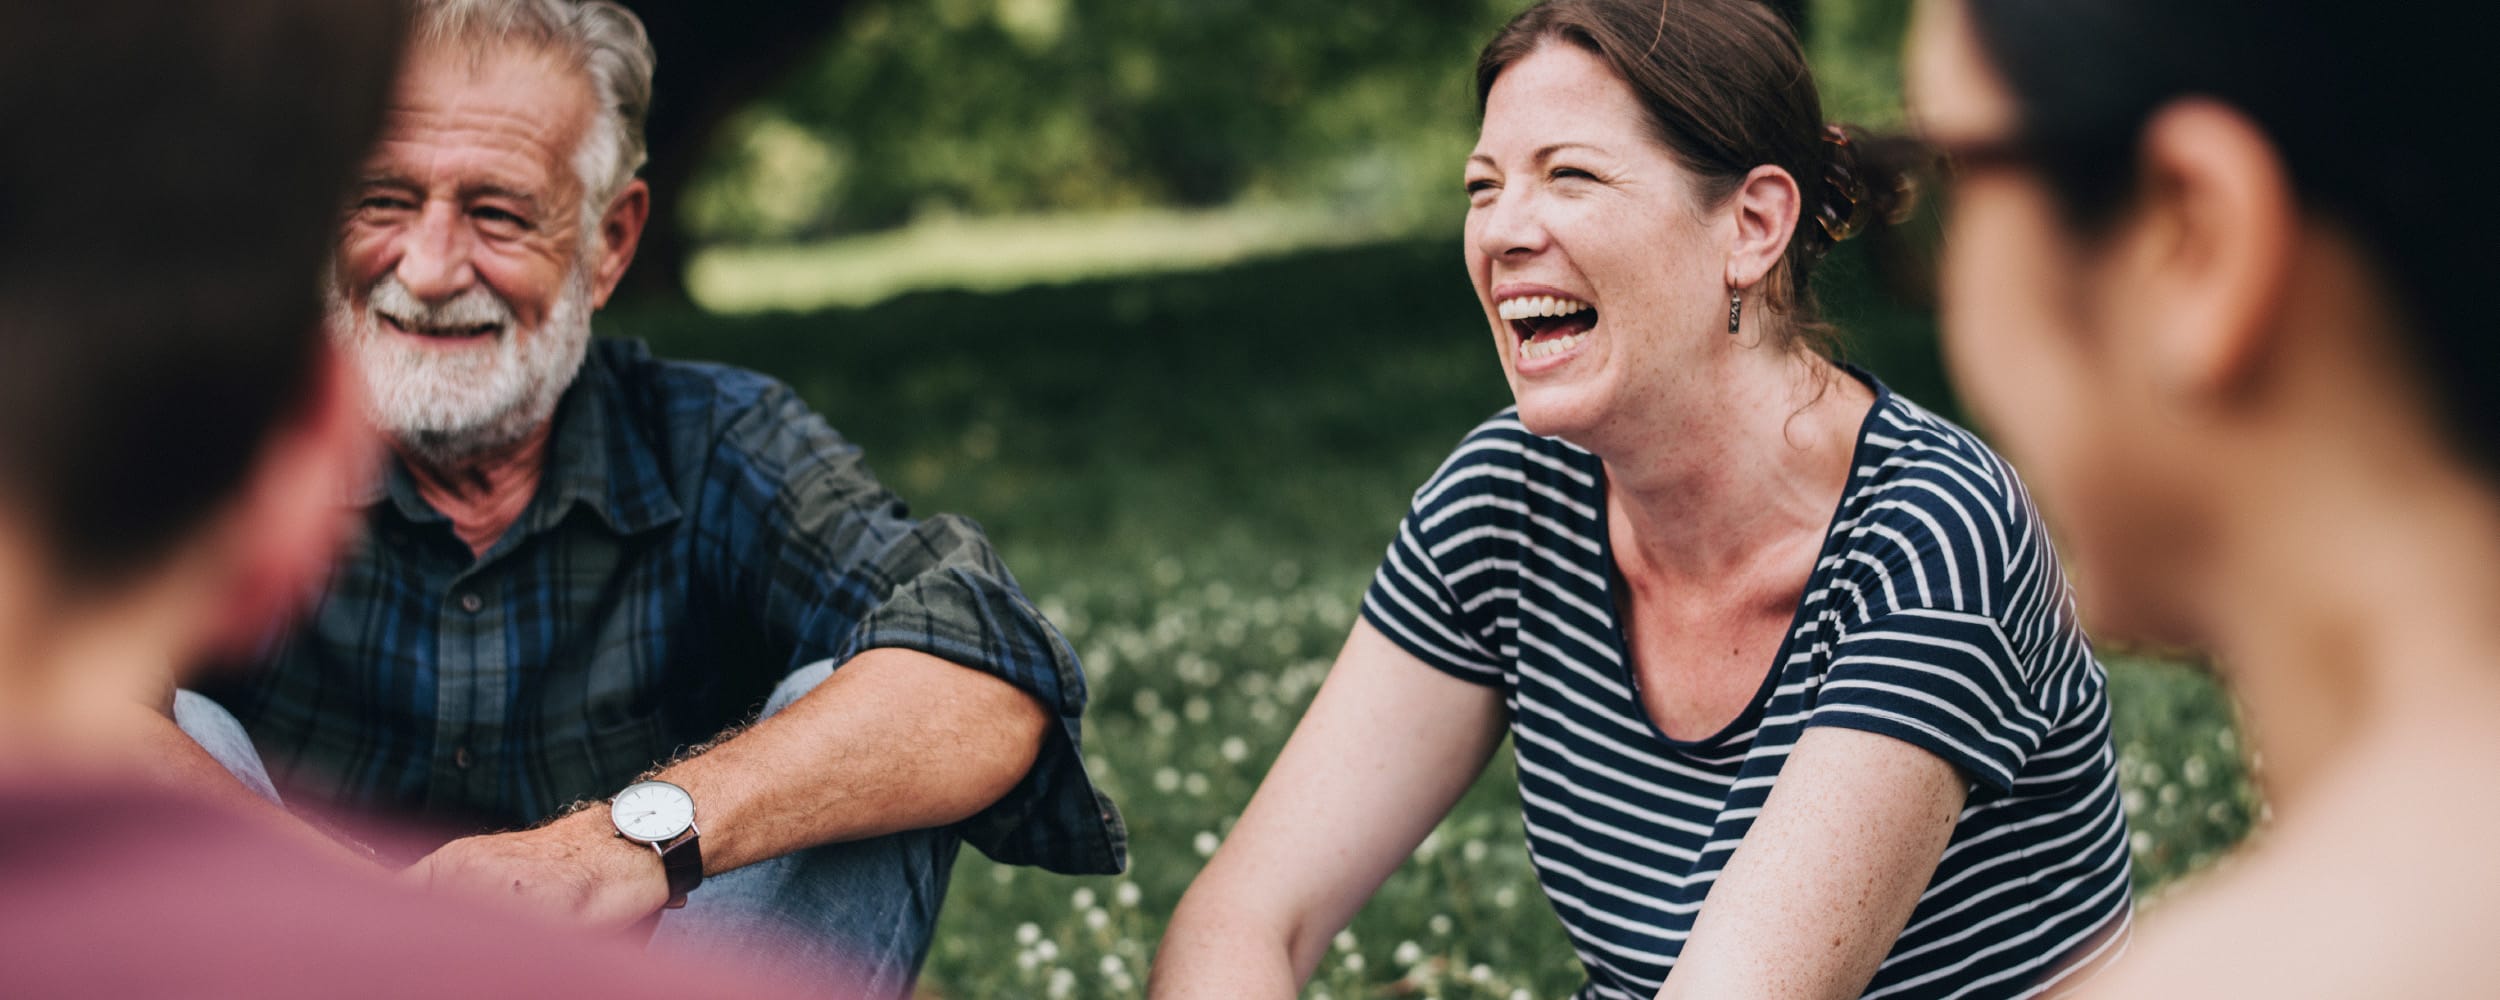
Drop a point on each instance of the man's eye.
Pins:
(383, 203)
(500, 217)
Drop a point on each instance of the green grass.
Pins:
(1194, 474)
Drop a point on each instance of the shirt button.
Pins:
(470, 603)
(460, 758)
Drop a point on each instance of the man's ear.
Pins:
(292, 517)
(620, 232)
(1765, 209)
(2209, 253)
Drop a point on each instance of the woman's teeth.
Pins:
(1536, 306)
(1546, 347)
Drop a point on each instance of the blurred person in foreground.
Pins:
(588, 571)
(173, 434)
(1799, 701)
(2216, 273)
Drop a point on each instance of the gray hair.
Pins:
(608, 44)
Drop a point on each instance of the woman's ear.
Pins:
(1765, 208)
(2208, 254)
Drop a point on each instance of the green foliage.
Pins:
(1001, 106)
(989, 107)
(1194, 474)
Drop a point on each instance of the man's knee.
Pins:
(223, 736)
(797, 685)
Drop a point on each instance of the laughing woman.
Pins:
(1799, 701)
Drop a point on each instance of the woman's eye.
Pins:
(1572, 173)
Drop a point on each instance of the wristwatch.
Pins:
(660, 816)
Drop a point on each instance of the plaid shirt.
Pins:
(698, 535)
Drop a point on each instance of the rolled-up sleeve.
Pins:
(829, 564)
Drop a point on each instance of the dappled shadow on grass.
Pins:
(1194, 474)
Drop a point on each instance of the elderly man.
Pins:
(587, 569)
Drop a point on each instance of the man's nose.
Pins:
(435, 264)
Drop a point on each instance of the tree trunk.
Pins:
(714, 59)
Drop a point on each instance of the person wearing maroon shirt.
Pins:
(173, 431)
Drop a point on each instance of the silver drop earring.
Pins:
(1735, 308)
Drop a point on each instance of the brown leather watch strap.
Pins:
(682, 859)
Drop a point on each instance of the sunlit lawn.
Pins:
(1194, 473)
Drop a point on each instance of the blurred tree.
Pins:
(989, 106)
(786, 121)
(715, 59)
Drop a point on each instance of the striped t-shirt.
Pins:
(1936, 614)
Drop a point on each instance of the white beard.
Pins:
(452, 405)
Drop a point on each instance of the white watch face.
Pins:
(652, 811)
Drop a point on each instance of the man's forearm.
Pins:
(895, 740)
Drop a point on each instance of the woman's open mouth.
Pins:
(1547, 325)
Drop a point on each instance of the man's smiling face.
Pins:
(461, 286)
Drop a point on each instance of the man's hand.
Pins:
(575, 869)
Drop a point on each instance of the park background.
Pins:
(1168, 295)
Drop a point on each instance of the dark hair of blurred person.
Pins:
(2215, 276)
(173, 440)
(1791, 673)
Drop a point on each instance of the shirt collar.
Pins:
(598, 457)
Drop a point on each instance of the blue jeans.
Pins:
(862, 910)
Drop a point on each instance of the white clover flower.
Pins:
(1354, 962)
(1084, 897)
(1519, 994)
(1205, 842)
(1505, 897)
(1027, 933)
(1046, 950)
(1440, 924)
(1345, 941)
(1112, 966)
(1197, 710)
(1062, 984)
(1127, 894)
(1028, 961)
(1167, 780)
(1474, 851)
(1234, 749)
(1480, 972)
(1195, 784)
(1096, 919)
(1407, 953)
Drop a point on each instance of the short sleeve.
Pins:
(1453, 556)
(1947, 681)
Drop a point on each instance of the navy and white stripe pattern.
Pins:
(1936, 614)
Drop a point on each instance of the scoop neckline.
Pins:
(1749, 719)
